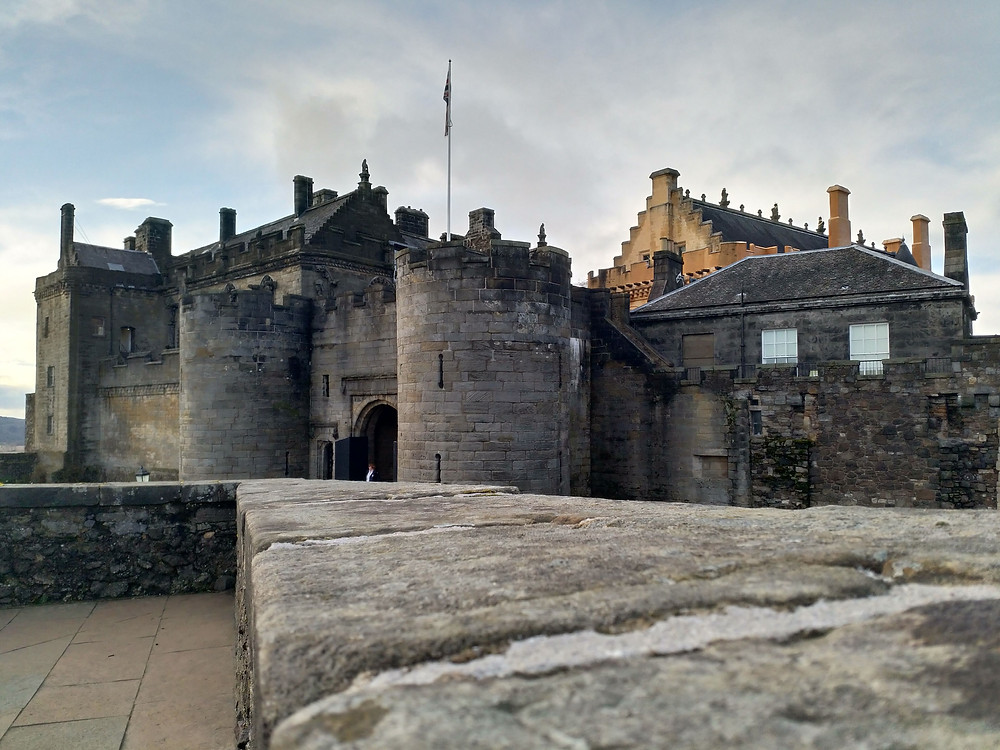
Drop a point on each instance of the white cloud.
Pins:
(128, 203)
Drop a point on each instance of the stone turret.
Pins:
(484, 362)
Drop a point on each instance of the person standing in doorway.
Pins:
(372, 474)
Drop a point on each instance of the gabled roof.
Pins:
(738, 226)
(111, 259)
(313, 219)
(837, 272)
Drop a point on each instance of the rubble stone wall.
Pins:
(102, 541)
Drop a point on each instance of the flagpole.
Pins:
(447, 127)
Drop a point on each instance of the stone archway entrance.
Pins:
(378, 423)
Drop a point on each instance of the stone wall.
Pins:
(916, 329)
(97, 541)
(137, 409)
(538, 622)
(17, 467)
(925, 433)
(353, 365)
(244, 392)
(910, 438)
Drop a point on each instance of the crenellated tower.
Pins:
(484, 362)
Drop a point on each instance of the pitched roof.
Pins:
(738, 226)
(112, 259)
(813, 274)
(313, 219)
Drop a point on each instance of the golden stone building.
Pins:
(709, 236)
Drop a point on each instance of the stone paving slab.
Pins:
(118, 674)
(351, 595)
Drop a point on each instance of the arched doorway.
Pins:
(378, 423)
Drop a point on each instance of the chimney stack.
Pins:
(840, 222)
(956, 257)
(66, 234)
(227, 224)
(130, 243)
(892, 246)
(303, 193)
(153, 236)
(921, 241)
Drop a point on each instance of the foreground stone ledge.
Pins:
(376, 615)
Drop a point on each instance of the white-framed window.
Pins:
(869, 346)
(779, 346)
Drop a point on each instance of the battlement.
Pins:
(500, 263)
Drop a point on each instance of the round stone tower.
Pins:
(483, 330)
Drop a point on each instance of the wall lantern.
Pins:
(142, 475)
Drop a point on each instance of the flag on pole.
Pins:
(447, 100)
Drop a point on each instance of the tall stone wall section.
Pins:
(244, 386)
(137, 405)
(353, 361)
(484, 376)
(913, 437)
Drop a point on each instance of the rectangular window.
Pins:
(779, 346)
(50, 376)
(127, 341)
(48, 424)
(97, 327)
(45, 327)
(326, 386)
(869, 346)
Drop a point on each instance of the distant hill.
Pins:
(11, 431)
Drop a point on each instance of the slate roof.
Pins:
(111, 259)
(737, 226)
(313, 218)
(814, 274)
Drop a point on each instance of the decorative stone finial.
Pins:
(725, 199)
(789, 221)
(806, 225)
(821, 227)
(703, 197)
(774, 213)
(741, 208)
(541, 235)
(861, 237)
(364, 170)
(760, 213)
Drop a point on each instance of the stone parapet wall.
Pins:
(17, 467)
(97, 541)
(534, 622)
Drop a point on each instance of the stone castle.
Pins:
(810, 370)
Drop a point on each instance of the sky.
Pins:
(561, 110)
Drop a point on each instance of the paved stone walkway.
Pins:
(146, 673)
